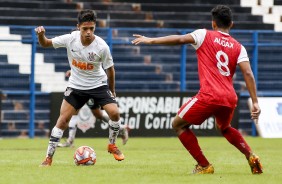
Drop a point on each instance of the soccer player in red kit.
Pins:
(218, 55)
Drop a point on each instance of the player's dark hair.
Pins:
(86, 16)
(222, 15)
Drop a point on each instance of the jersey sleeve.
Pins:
(243, 56)
(199, 37)
(107, 58)
(61, 41)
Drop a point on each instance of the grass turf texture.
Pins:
(148, 160)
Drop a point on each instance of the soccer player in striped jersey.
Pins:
(218, 54)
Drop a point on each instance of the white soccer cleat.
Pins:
(65, 144)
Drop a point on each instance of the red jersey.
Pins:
(218, 54)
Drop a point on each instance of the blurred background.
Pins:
(32, 78)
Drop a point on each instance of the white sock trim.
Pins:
(57, 132)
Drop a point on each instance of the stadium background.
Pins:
(30, 75)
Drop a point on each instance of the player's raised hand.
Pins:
(42, 39)
(140, 39)
(40, 30)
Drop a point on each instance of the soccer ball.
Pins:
(84, 155)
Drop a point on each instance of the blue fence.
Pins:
(252, 42)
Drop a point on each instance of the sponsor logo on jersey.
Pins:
(82, 65)
(91, 56)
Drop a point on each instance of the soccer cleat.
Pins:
(124, 135)
(65, 144)
(254, 162)
(203, 170)
(113, 149)
(47, 162)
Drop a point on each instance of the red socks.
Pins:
(190, 142)
(236, 139)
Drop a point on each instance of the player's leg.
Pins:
(98, 113)
(114, 122)
(102, 96)
(192, 112)
(66, 112)
(123, 130)
(114, 126)
(72, 132)
(70, 105)
(124, 133)
(224, 116)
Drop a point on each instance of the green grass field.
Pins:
(148, 160)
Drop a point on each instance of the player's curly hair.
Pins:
(86, 16)
(222, 15)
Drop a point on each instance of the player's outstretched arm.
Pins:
(42, 39)
(251, 86)
(166, 40)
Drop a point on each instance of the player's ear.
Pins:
(214, 25)
(231, 25)
(77, 25)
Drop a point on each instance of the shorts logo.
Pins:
(90, 102)
(68, 92)
(111, 94)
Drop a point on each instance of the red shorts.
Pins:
(195, 112)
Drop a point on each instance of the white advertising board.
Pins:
(269, 124)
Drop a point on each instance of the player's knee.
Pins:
(114, 116)
(62, 122)
(177, 123)
(224, 129)
(175, 126)
(99, 116)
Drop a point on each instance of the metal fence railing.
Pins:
(249, 38)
